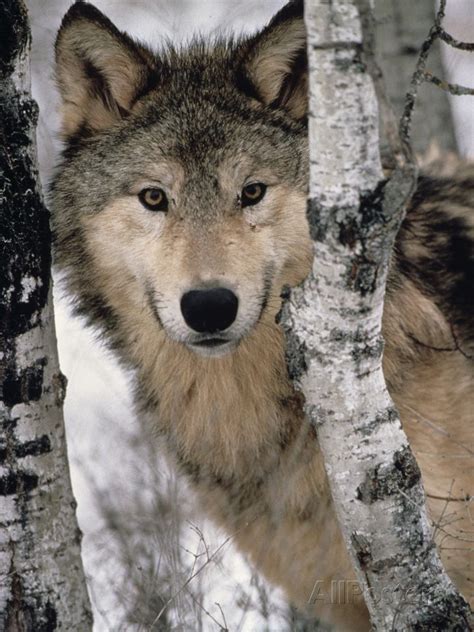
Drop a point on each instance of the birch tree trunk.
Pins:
(42, 584)
(333, 326)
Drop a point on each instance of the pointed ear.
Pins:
(275, 67)
(100, 71)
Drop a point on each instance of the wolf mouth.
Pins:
(213, 347)
(211, 342)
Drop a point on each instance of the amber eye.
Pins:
(253, 193)
(153, 199)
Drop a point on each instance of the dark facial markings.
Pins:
(152, 303)
(267, 286)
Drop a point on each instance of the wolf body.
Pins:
(179, 215)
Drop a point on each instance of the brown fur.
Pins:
(198, 124)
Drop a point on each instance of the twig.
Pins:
(416, 80)
(421, 74)
(454, 536)
(456, 347)
(449, 39)
(454, 499)
(452, 88)
(226, 627)
(437, 525)
(222, 628)
(195, 574)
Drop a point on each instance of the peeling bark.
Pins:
(333, 326)
(42, 584)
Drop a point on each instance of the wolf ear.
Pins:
(99, 70)
(275, 67)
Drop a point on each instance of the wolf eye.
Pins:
(153, 199)
(253, 193)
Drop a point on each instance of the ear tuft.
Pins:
(100, 71)
(275, 62)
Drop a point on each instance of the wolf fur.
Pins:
(199, 124)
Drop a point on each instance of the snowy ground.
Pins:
(122, 487)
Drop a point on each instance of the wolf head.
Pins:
(179, 205)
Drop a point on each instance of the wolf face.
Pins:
(190, 170)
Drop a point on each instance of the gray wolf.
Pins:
(179, 215)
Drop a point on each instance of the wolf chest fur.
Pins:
(179, 215)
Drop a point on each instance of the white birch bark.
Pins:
(42, 584)
(333, 325)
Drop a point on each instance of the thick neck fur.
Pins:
(227, 413)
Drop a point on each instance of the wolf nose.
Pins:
(208, 311)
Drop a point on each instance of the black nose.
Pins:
(208, 311)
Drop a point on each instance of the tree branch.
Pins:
(449, 39)
(421, 74)
(452, 88)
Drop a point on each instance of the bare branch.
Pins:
(452, 88)
(421, 74)
(191, 577)
(417, 79)
(449, 39)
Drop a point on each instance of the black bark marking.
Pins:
(20, 482)
(361, 546)
(383, 481)
(14, 35)
(418, 611)
(23, 386)
(354, 228)
(353, 62)
(35, 447)
(25, 234)
(284, 295)
(390, 415)
(314, 214)
(59, 384)
(295, 354)
(26, 613)
(446, 612)
(363, 273)
(348, 233)
(372, 208)
(295, 350)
